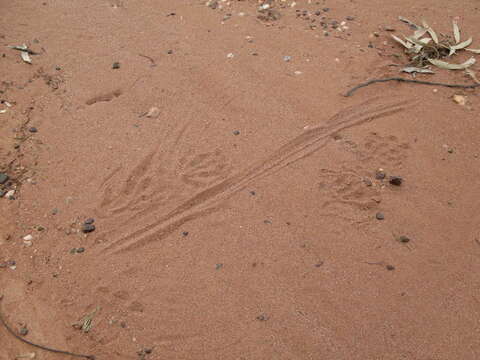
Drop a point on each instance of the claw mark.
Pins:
(208, 174)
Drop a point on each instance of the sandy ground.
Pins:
(238, 220)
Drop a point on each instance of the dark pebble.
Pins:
(80, 250)
(3, 178)
(185, 233)
(23, 331)
(89, 221)
(236, 132)
(123, 324)
(380, 175)
(253, 193)
(116, 65)
(262, 317)
(55, 211)
(390, 267)
(396, 180)
(218, 266)
(319, 264)
(326, 9)
(404, 239)
(170, 52)
(350, 18)
(380, 216)
(147, 350)
(3, 192)
(33, 129)
(87, 228)
(58, 68)
(368, 182)
(318, 12)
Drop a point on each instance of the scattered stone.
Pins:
(10, 194)
(380, 216)
(2, 192)
(396, 180)
(170, 52)
(185, 233)
(253, 193)
(287, 58)
(218, 266)
(367, 182)
(23, 331)
(390, 267)
(404, 239)
(350, 18)
(116, 65)
(89, 221)
(88, 228)
(40, 228)
(73, 251)
(147, 350)
(3, 178)
(33, 129)
(153, 112)
(236, 132)
(380, 174)
(54, 211)
(80, 250)
(319, 264)
(262, 317)
(28, 237)
(460, 99)
(326, 9)
(212, 4)
(230, 55)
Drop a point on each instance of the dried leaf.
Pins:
(401, 18)
(26, 57)
(472, 74)
(448, 66)
(430, 31)
(412, 69)
(456, 32)
(419, 33)
(476, 51)
(462, 45)
(407, 45)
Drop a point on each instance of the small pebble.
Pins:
(170, 52)
(80, 250)
(23, 331)
(396, 180)
(368, 182)
(116, 65)
(89, 221)
(185, 233)
(380, 216)
(147, 350)
(404, 239)
(350, 18)
(73, 251)
(236, 132)
(28, 237)
(33, 129)
(262, 317)
(380, 174)
(87, 228)
(390, 267)
(287, 58)
(10, 194)
(3, 178)
(218, 266)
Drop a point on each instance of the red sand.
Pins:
(238, 223)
